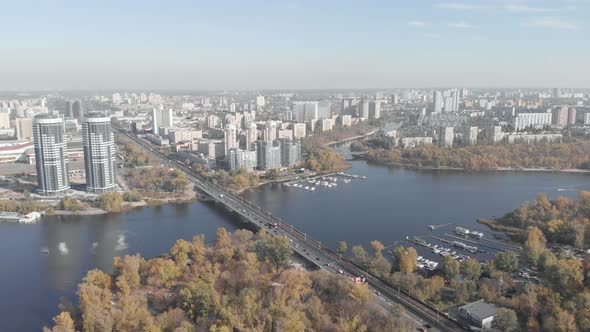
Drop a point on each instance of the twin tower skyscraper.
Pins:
(51, 155)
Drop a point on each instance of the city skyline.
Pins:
(295, 45)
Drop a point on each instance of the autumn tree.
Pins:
(63, 323)
(110, 202)
(342, 247)
(534, 245)
(377, 248)
(506, 320)
(404, 259)
(127, 272)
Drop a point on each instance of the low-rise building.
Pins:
(157, 140)
(479, 313)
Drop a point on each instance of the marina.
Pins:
(325, 181)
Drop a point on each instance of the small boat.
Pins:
(45, 250)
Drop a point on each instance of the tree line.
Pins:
(571, 155)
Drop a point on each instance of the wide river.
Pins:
(388, 205)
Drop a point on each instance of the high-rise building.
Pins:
(24, 128)
(560, 116)
(251, 136)
(556, 93)
(375, 109)
(571, 116)
(364, 109)
(438, 102)
(77, 109)
(470, 135)
(68, 113)
(446, 136)
(290, 153)
(162, 118)
(493, 134)
(4, 119)
(394, 99)
(260, 101)
(305, 110)
(324, 109)
(268, 155)
(98, 143)
(230, 137)
(299, 130)
(242, 159)
(51, 155)
(347, 104)
(270, 131)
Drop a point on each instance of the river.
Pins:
(388, 205)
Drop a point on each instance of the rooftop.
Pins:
(479, 309)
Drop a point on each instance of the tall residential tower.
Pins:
(99, 153)
(51, 155)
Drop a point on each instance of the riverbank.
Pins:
(460, 169)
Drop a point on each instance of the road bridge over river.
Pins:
(304, 245)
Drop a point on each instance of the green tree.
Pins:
(275, 249)
(471, 268)
(506, 261)
(451, 267)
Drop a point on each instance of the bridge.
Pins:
(301, 243)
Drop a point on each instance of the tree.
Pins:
(451, 268)
(566, 276)
(275, 249)
(377, 248)
(273, 174)
(534, 245)
(110, 202)
(199, 300)
(360, 255)
(506, 320)
(506, 261)
(69, 204)
(127, 272)
(404, 259)
(342, 247)
(471, 268)
(63, 323)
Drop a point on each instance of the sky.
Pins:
(295, 44)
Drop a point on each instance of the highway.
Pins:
(300, 242)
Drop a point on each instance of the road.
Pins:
(300, 242)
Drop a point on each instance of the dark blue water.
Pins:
(389, 205)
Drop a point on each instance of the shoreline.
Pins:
(461, 169)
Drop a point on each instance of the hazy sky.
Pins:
(252, 44)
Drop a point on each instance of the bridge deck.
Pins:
(312, 250)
